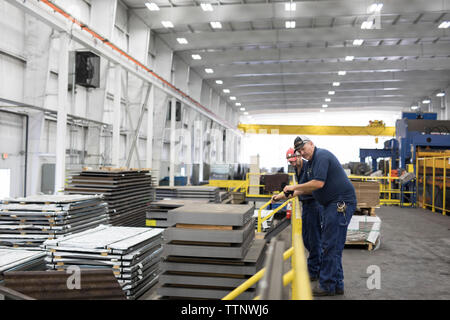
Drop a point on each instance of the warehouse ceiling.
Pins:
(401, 59)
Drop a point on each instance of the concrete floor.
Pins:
(413, 259)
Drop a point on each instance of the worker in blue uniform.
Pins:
(330, 186)
(311, 217)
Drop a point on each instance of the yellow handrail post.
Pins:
(432, 193)
(424, 184)
(444, 187)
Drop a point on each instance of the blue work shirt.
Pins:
(324, 166)
(302, 178)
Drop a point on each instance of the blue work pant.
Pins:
(312, 235)
(334, 234)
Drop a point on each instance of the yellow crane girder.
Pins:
(318, 130)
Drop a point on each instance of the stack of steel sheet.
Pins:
(189, 192)
(27, 222)
(157, 215)
(210, 251)
(127, 192)
(133, 254)
(12, 259)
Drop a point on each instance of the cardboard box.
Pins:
(367, 193)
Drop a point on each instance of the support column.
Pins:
(173, 118)
(61, 122)
(116, 116)
(150, 108)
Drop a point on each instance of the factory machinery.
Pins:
(417, 135)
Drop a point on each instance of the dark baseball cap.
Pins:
(300, 141)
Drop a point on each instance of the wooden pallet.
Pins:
(363, 211)
(369, 245)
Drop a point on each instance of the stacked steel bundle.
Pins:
(212, 194)
(127, 192)
(210, 251)
(157, 215)
(12, 259)
(28, 222)
(133, 254)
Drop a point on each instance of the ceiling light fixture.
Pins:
(349, 58)
(206, 6)
(216, 25)
(358, 42)
(242, 109)
(167, 24)
(226, 90)
(327, 99)
(367, 25)
(152, 6)
(331, 93)
(376, 7)
(246, 113)
(322, 110)
(182, 40)
(232, 98)
(196, 57)
(238, 104)
(440, 94)
(324, 106)
(290, 6)
(209, 70)
(336, 84)
(444, 25)
(342, 73)
(290, 24)
(414, 107)
(426, 101)
(219, 81)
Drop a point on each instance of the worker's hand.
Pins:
(288, 189)
(274, 199)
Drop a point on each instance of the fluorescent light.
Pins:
(349, 58)
(232, 98)
(238, 104)
(206, 6)
(336, 84)
(182, 40)
(444, 25)
(414, 107)
(246, 113)
(219, 81)
(152, 6)
(426, 101)
(342, 73)
(290, 24)
(324, 106)
(376, 7)
(327, 99)
(322, 110)
(167, 24)
(440, 94)
(331, 93)
(209, 70)
(367, 25)
(358, 42)
(226, 90)
(290, 6)
(216, 25)
(242, 109)
(196, 57)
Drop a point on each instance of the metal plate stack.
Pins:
(28, 222)
(127, 192)
(210, 251)
(12, 259)
(133, 254)
(157, 215)
(189, 192)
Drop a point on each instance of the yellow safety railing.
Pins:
(261, 219)
(439, 182)
(388, 187)
(298, 276)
